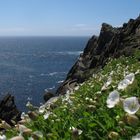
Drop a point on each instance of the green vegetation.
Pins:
(84, 115)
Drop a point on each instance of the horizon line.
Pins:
(46, 35)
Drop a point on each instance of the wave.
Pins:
(16, 67)
(61, 81)
(52, 73)
(70, 53)
(51, 88)
(57, 73)
(48, 89)
(67, 53)
(43, 74)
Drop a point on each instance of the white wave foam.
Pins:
(56, 73)
(69, 53)
(75, 53)
(53, 73)
(61, 81)
(31, 76)
(43, 74)
(48, 89)
(51, 88)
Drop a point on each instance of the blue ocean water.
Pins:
(30, 65)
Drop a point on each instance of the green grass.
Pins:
(88, 110)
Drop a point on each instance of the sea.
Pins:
(29, 66)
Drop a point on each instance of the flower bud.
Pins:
(132, 120)
(121, 124)
(93, 102)
(75, 133)
(32, 115)
(91, 108)
(113, 135)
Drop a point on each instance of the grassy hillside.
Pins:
(102, 108)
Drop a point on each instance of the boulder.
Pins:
(8, 110)
(48, 95)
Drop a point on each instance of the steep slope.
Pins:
(112, 42)
(105, 107)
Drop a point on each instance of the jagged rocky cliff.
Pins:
(112, 42)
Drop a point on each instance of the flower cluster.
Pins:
(126, 81)
(131, 104)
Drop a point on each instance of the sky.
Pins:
(63, 17)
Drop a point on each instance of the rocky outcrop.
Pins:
(48, 95)
(112, 42)
(8, 110)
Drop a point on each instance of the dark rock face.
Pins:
(48, 95)
(8, 110)
(112, 42)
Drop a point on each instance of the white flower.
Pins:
(108, 82)
(68, 92)
(98, 93)
(94, 75)
(91, 99)
(81, 84)
(123, 84)
(126, 72)
(42, 109)
(131, 105)
(2, 137)
(137, 72)
(29, 105)
(22, 115)
(66, 98)
(126, 81)
(130, 77)
(80, 131)
(111, 73)
(113, 99)
(137, 137)
(77, 130)
(86, 98)
(76, 88)
(46, 115)
(92, 86)
(71, 128)
(38, 134)
(30, 138)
